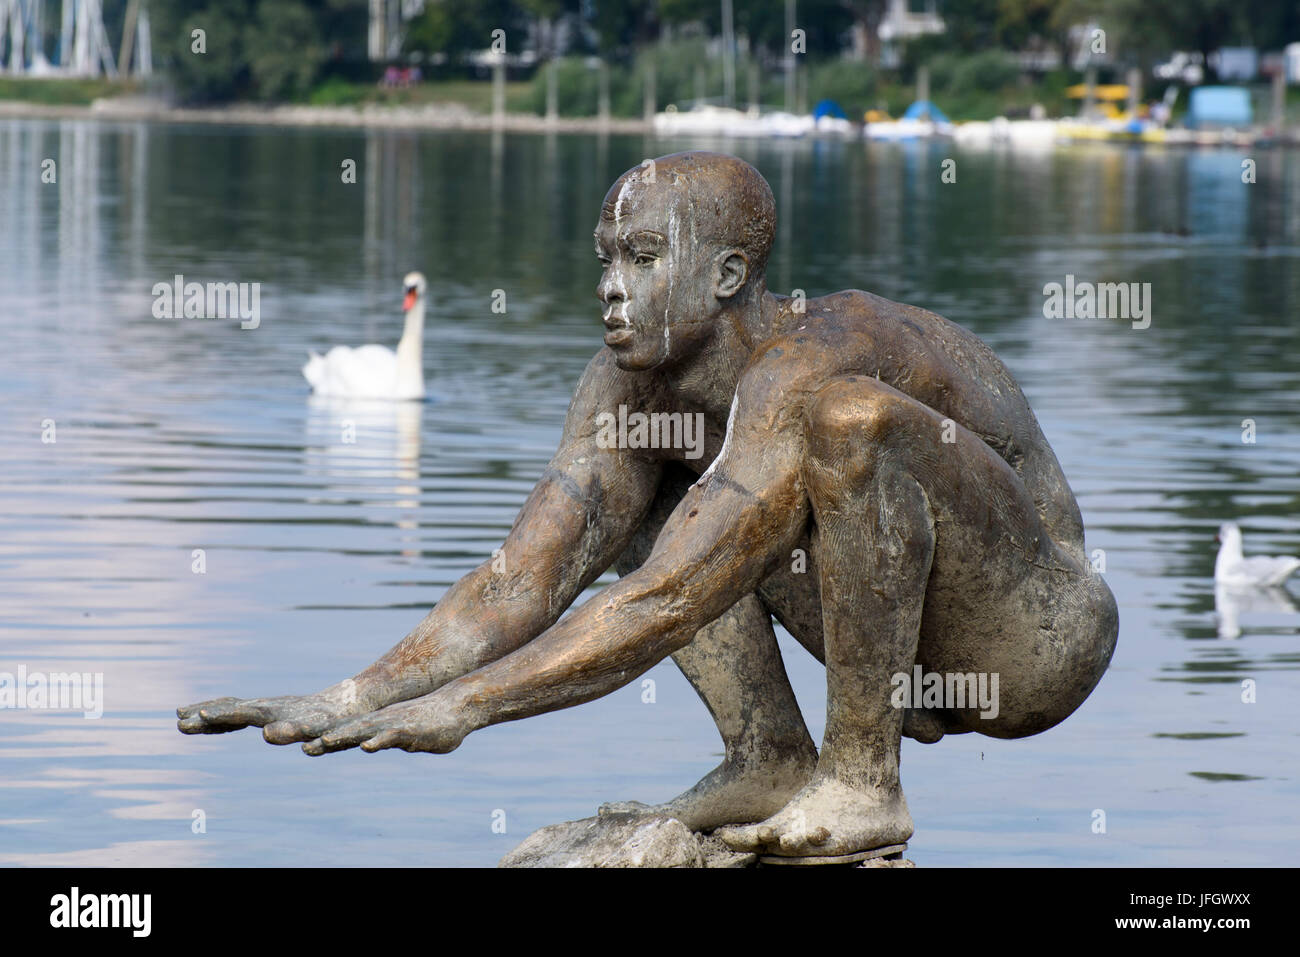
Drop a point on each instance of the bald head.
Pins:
(712, 198)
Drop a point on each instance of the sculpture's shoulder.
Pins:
(804, 352)
(857, 309)
(844, 332)
(602, 381)
(908, 342)
(604, 386)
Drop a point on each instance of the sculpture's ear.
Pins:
(733, 271)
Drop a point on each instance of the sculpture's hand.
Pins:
(437, 723)
(284, 719)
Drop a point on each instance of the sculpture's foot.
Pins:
(828, 818)
(732, 793)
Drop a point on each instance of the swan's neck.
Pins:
(1229, 553)
(410, 353)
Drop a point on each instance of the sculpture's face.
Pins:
(658, 282)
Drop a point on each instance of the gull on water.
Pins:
(1231, 568)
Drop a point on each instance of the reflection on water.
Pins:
(1231, 603)
(374, 444)
(200, 526)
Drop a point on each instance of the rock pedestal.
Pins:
(630, 840)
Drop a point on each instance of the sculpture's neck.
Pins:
(708, 379)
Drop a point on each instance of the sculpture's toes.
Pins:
(751, 837)
(623, 807)
(801, 842)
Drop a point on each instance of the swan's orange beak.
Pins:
(409, 301)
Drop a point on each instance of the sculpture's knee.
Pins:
(851, 423)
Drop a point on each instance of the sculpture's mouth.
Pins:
(618, 334)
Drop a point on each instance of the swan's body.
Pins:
(377, 372)
(1258, 571)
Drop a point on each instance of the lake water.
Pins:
(177, 435)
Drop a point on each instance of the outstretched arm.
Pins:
(575, 523)
(742, 516)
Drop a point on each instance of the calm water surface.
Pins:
(176, 435)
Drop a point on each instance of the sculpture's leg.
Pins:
(735, 666)
(882, 479)
(798, 607)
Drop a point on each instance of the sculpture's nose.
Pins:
(610, 290)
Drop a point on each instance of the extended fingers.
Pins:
(383, 725)
(220, 714)
(349, 734)
(287, 732)
(399, 726)
(390, 738)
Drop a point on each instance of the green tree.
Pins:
(1022, 23)
(220, 70)
(285, 48)
(265, 49)
(1152, 28)
(458, 27)
(971, 25)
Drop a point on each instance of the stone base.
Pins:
(615, 840)
(632, 840)
(894, 852)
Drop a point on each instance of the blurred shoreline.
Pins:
(431, 116)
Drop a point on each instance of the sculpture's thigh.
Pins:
(1002, 598)
(1006, 601)
(1040, 637)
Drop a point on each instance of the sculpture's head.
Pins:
(681, 238)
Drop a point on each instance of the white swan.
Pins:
(377, 372)
(1231, 569)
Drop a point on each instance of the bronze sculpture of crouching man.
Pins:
(889, 446)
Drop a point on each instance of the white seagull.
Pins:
(377, 372)
(1258, 571)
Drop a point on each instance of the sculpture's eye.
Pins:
(646, 259)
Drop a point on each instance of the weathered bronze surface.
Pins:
(870, 475)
